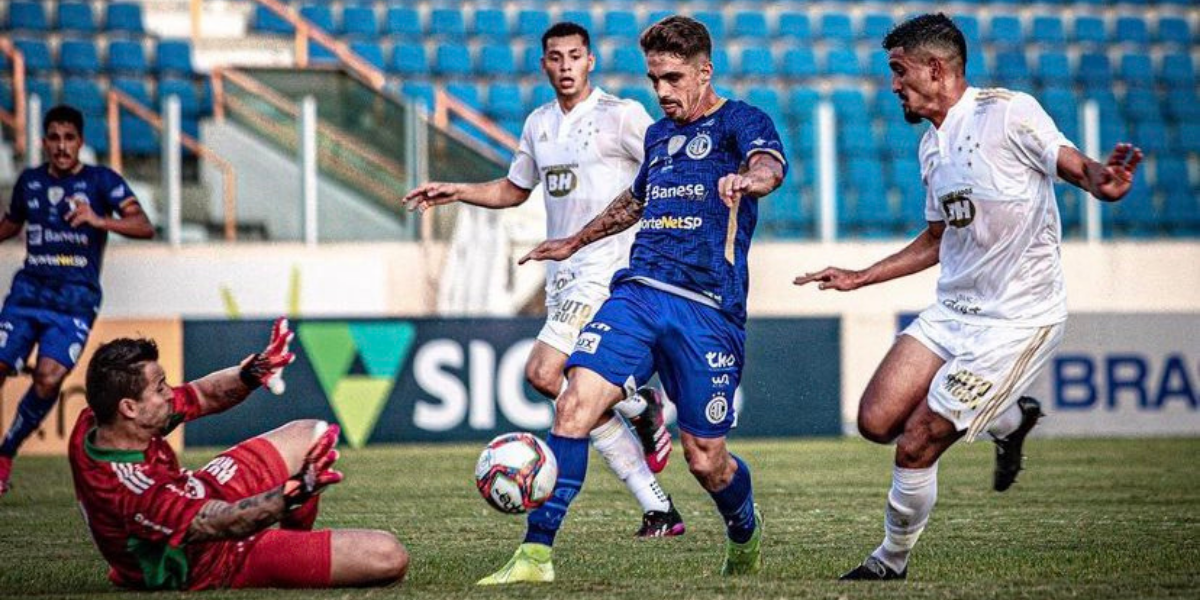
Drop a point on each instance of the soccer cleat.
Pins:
(652, 431)
(658, 523)
(745, 558)
(530, 564)
(873, 569)
(1008, 450)
(6, 473)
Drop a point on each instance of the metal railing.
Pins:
(16, 119)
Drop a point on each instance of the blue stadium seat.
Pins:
(138, 138)
(512, 126)
(767, 100)
(320, 15)
(721, 65)
(532, 24)
(28, 17)
(418, 91)
(751, 25)
(842, 61)
(1062, 105)
(84, 94)
(76, 17)
(714, 21)
(879, 69)
(902, 141)
(448, 23)
(358, 22)
(320, 55)
(1006, 31)
(1171, 173)
(504, 101)
(403, 21)
(124, 18)
(1178, 72)
(1095, 71)
(621, 25)
(44, 89)
(850, 105)
(977, 69)
(541, 93)
(1142, 105)
(802, 102)
(453, 60)
(795, 26)
(532, 63)
(38, 59)
(969, 26)
(78, 57)
(174, 57)
(135, 88)
(369, 51)
(885, 105)
(409, 59)
(189, 101)
(1189, 136)
(1137, 71)
(266, 21)
(905, 172)
(465, 91)
(491, 23)
(799, 63)
(643, 95)
(497, 59)
(657, 15)
(756, 61)
(1181, 211)
(1053, 69)
(1131, 30)
(785, 214)
(1011, 69)
(1137, 215)
(95, 133)
(1174, 30)
(856, 139)
(126, 56)
(871, 214)
(836, 27)
(626, 60)
(579, 17)
(1152, 137)
(1048, 29)
(1090, 30)
(876, 26)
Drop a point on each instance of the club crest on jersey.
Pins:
(560, 181)
(54, 195)
(699, 147)
(675, 143)
(958, 208)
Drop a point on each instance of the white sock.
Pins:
(911, 499)
(1006, 422)
(632, 406)
(621, 450)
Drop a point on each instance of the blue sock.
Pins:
(30, 414)
(736, 504)
(572, 456)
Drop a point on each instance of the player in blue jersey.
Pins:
(66, 209)
(679, 309)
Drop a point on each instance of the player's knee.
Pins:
(48, 382)
(544, 378)
(707, 468)
(570, 416)
(915, 451)
(875, 431)
(389, 558)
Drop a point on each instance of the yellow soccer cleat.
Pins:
(745, 558)
(530, 564)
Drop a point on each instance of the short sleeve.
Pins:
(18, 208)
(117, 191)
(523, 171)
(1033, 135)
(638, 189)
(159, 508)
(635, 122)
(185, 406)
(933, 211)
(755, 132)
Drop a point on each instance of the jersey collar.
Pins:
(967, 100)
(110, 454)
(582, 107)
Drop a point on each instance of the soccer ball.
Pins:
(516, 473)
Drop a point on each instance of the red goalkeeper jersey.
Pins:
(138, 506)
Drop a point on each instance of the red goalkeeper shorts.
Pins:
(282, 558)
(249, 468)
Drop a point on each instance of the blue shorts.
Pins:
(59, 337)
(696, 350)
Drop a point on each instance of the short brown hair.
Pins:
(682, 36)
(116, 371)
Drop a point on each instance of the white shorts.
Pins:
(987, 368)
(569, 307)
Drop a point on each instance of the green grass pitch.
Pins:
(1088, 519)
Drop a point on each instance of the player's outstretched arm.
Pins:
(764, 174)
(918, 255)
(8, 229)
(620, 215)
(499, 193)
(218, 519)
(226, 388)
(133, 222)
(1109, 181)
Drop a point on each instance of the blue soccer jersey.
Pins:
(60, 256)
(689, 239)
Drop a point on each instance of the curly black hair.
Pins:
(929, 31)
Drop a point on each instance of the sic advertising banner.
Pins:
(405, 380)
(1122, 375)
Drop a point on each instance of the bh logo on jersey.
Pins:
(958, 208)
(560, 181)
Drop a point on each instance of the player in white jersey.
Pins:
(988, 164)
(585, 147)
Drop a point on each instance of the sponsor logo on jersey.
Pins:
(34, 186)
(56, 260)
(963, 304)
(717, 409)
(79, 185)
(588, 342)
(699, 147)
(118, 192)
(55, 195)
(560, 181)
(690, 191)
(967, 387)
(720, 360)
(672, 222)
(33, 233)
(51, 236)
(675, 143)
(958, 208)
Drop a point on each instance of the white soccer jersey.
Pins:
(989, 173)
(585, 159)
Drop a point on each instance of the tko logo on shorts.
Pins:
(967, 387)
(720, 360)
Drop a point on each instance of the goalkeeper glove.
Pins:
(266, 367)
(317, 471)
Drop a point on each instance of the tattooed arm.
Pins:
(221, 390)
(219, 520)
(622, 214)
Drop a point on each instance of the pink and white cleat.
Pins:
(652, 431)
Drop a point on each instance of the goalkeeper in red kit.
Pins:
(160, 526)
